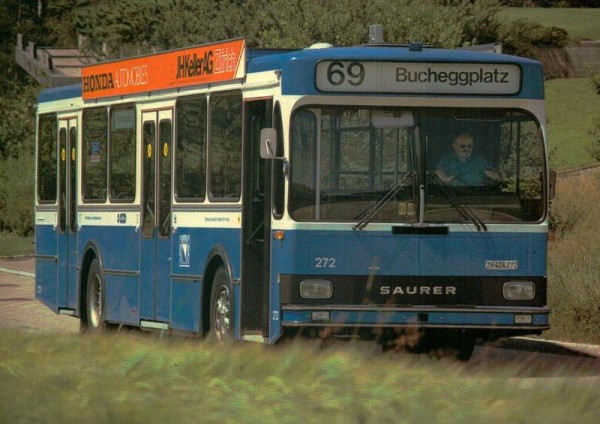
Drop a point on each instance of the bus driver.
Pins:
(462, 168)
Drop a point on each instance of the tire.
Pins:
(221, 307)
(95, 311)
(465, 347)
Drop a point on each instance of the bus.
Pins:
(255, 194)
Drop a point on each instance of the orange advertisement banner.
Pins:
(204, 64)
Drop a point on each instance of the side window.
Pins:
(62, 179)
(46, 160)
(165, 134)
(149, 178)
(73, 179)
(122, 154)
(94, 157)
(303, 152)
(278, 166)
(225, 147)
(190, 157)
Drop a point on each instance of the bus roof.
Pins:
(302, 64)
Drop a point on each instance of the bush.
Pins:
(522, 38)
(594, 130)
(16, 194)
(574, 262)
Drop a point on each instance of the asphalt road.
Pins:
(18, 307)
(537, 358)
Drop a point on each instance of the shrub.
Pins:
(16, 194)
(594, 130)
(522, 38)
(574, 262)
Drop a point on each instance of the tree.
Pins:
(129, 28)
(16, 162)
(17, 97)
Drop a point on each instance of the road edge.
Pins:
(14, 272)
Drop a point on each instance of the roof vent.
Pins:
(376, 34)
(319, 46)
(415, 46)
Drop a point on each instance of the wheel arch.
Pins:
(217, 257)
(91, 252)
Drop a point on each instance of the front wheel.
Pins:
(95, 313)
(221, 307)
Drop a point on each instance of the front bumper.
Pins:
(492, 318)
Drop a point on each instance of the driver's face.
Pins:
(463, 147)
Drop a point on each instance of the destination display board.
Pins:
(418, 77)
(208, 63)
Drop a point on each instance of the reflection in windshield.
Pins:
(474, 165)
(453, 200)
(372, 211)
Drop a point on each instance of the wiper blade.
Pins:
(368, 214)
(463, 210)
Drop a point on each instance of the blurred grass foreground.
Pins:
(130, 378)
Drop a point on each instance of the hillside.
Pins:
(571, 107)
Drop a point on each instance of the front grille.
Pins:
(410, 290)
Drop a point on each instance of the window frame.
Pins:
(178, 173)
(84, 155)
(132, 157)
(52, 162)
(210, 152)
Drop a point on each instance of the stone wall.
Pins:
(572, 61)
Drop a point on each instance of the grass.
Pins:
(142, 380)
(12, 245)
(571, 105)
(580, 23)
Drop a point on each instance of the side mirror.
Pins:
(268, 144)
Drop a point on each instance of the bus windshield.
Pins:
(455, 165)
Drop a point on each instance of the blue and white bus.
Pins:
(262, 194)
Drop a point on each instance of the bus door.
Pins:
(67, 222)
(256, 223)
(155, 255)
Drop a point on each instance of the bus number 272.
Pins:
(324, 262)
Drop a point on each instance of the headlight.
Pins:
(518, 290)
(316, 289)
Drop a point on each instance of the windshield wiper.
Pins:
(368, 214)
(463, 210)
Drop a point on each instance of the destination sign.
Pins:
(418, 78)
(204, 64)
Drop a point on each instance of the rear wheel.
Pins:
(95, 313)
(221, 307)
